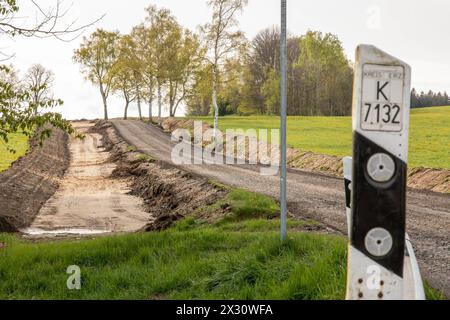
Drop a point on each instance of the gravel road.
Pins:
(319, 197)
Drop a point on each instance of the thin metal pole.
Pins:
(283, 186)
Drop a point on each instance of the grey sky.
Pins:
(413, 30)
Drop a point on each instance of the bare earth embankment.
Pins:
(97, 185)
(432, 179)
(31, 181)
(169, 193)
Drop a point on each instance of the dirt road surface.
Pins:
(88, 200)
(319, 197)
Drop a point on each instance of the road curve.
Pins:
(319, 197)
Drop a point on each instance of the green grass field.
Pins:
(17, 142)
(198, 263)
(237, 258)
(430, 134)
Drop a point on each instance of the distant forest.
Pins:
(320, 78)
(430, 99)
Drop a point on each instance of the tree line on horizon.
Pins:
(215, 70)
(430, 99)
(161, 62)
(320, 78)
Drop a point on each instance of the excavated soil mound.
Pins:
(172, 124)
(310, 161)
(169, 193)
(31, 181)
(437, 180)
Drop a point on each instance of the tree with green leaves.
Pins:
(231, 94)
(144, 37)
(271, 92)
(198, 103)
(97, 56)
(164, 33)
(327, 74)
(223, 41)
(263, 73)
(126, 78)
(186, 55)
(18, 110)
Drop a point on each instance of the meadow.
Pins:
(19, 143)
(429, 135)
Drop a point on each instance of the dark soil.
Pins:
(32, 180)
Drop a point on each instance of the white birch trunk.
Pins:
(159, 102)
(215, 105)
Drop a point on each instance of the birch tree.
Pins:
(223, 40)
(145, 52)
(186, 56)
(164, 30)
(125, 79)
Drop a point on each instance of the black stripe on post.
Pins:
(348, 193)
(378, 205)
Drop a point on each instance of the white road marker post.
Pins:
(283, 173)
(381, 111)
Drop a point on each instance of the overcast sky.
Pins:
(415, 31)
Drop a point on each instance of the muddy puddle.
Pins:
(62, 232)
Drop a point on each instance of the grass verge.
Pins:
(204, 262)
(240, 257)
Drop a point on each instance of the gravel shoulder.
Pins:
(319, 197)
